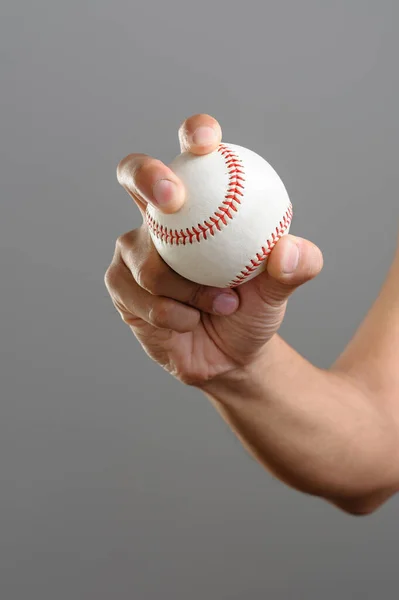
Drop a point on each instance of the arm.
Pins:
(331, 433)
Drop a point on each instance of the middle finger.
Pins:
(155, 276)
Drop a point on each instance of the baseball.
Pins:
(236, 210)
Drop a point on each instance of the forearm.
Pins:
(372, 356)
(319, 431)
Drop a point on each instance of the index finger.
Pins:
(148, 180)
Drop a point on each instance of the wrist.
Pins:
(250, 380)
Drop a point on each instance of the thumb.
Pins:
(293, 262)
(263, 299)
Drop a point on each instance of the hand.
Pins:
(196, 332)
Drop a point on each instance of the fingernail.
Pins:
(204, 136)
(164, 191)
(291, 256)
(225, 304)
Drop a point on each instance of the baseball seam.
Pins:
(224, 212)
(262, 255)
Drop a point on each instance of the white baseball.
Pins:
(236, 210)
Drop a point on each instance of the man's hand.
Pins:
(197, 332)
(330, 433)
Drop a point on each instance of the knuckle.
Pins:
(155, 285)
(144, 276)
(111, 277)
(121, 167)
(133, 165)
(159, 315)
(149, 276)
(128, 318)
(131, 258)
(145, 168)
(197, 293)
(124, 242)
(125, 168)
(128, 246)
(157, 281)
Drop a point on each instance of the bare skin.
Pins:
(330, 433)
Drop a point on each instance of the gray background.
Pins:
(117, 481)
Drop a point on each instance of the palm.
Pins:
(218, 344)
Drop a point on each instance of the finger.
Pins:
(200, 134)
(293, 262)
(148, 180)
(156, 277)
(133, 303)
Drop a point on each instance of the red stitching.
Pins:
(221, 215)
(265, 250)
